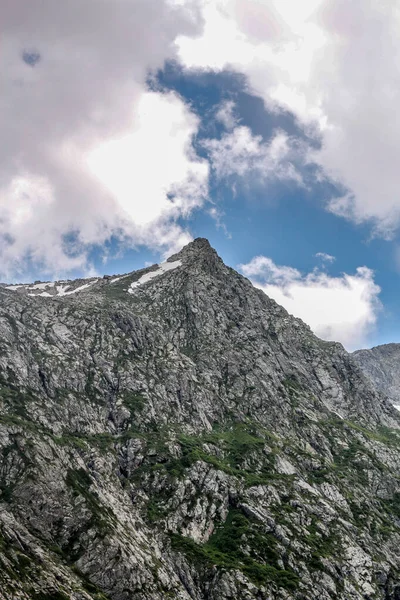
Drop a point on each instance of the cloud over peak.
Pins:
(334, 65)
(343, 309)
(74, 83)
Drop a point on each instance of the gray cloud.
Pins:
(71, 74)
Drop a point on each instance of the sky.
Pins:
(271, 127)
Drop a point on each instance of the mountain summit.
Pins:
(174, 433)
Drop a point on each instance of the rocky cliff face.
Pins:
(381, 365)
(174, 433)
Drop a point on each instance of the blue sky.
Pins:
(259, 125)
(284, 222)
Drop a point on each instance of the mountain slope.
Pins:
(381, 365)
(174, 433)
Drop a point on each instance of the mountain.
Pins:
(381, 365)
(174, 433)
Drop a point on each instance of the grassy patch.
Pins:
(385, 435)
(392, 505)
(242, 453)
(241, 545)
(103, 441)
(321, 545)
(134, 402)
(80, 481)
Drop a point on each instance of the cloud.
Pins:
(240, 153)
(226, 114)
(326, 258)
(74, 94)
(341, 308)
(154, 172)
(335, 66)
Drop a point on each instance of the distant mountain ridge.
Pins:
(381, 365)
(67, 287)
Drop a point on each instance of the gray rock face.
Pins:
(174, 433)
(381, 365)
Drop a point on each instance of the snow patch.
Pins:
(31, 286)
(62, 290)
(162, 268)
(83, 287)
(41, 286)
(397, 406)
(43, 294)
(118, 278)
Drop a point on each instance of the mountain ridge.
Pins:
(70, 286)
(381, 366)
(189, 439)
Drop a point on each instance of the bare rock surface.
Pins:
(381, 365)
(174, 433)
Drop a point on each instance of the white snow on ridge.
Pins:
(15, 287)
(56, 289)
(61, 290)
(31, 286)
(44, 294)
(397, 406)
(118, 278)
(162, 268)
(83, 287)
(41, 286)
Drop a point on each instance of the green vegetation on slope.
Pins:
(239, 544)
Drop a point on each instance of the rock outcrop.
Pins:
(381, 365)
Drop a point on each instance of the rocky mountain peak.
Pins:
(199, 251)
(198, 245)
(174, 433)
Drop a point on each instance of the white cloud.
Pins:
(240, 153)
(341, 308)
(74, 93)
(334, 64)
(74, 97)
(226, 114)
(326, 258)
(154, 161)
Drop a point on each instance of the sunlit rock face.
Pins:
(174, 433)
(381, 365)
